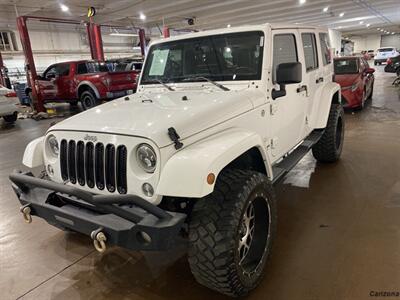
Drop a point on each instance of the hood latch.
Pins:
(174, 136)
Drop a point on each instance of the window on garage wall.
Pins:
(285, 51)
(7, 41)
(310, 51)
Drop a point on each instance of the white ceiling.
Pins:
(218, 13)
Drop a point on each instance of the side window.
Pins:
(82, 68)
(62, 70)
(325, 48)
(310, 51)
(50, 72)
(284, 51)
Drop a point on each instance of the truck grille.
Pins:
(94, 165)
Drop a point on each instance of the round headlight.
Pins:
(146, 158)
(53, 145)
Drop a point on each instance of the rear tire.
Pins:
(88, 100)
(231, 233)
(11, 118)
(329, 148)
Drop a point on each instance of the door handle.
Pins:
(321, 79)
(303, 88)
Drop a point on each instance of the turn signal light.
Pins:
(210, 178)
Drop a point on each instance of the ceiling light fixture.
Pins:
(341, 14)
(302, 1)
(142, 16)
(229, 25)
(64, 8)
(367, 25)
(361, 22)
(393, 33)
(325, 9)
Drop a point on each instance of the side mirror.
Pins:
(369, 70)
(286, 73)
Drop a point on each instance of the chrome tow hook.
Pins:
(26, 212)
(99, 240)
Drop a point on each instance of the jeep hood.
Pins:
(150, 115)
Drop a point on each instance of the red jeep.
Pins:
(87, 81)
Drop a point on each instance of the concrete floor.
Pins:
(338, 232)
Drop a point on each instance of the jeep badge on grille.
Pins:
(91, 138)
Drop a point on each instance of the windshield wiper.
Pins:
(224, 88)
(161, 82)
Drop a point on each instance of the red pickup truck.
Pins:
(87, 81)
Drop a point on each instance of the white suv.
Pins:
(382, 54)
(218, 118)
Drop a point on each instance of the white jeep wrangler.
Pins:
(218, 118)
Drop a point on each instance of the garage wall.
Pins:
(335, 37)
(391, 41)
(366, 42)
(54, 44)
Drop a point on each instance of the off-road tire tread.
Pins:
(325, 149)
(212, 231)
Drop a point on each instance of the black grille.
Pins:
(94, 165)
(121, 169)
(110, 168)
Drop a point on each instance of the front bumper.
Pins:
(119, 94)
(125, 220)
(380, 60)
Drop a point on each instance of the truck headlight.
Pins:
(53, 145)
(146, 157)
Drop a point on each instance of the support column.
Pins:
(166, 32)
(142, 39)
(90, 40)
(98, 42)
(2, 79)
(30, 68)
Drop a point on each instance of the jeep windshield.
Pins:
(224, 57)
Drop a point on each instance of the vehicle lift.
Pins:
(95, 43)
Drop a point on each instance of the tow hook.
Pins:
(26, 212)
(99, 240)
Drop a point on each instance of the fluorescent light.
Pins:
(325, 9)
(123, 34)
(142, 16)
(64, 7)
(361, 22)
(302, 1)
(341, 14)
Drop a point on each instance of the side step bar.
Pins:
(286, 164)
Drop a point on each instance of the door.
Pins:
(63, 82)
(287, 113)
(313, 75)
(47, 84)
(368, 78)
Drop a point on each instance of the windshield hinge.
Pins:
(174, 136)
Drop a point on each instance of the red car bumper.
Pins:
(352, 99)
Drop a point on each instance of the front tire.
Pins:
(231, 233)
(329, 148)
(11, 118)
(88, 100)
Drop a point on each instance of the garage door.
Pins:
(391, 41)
